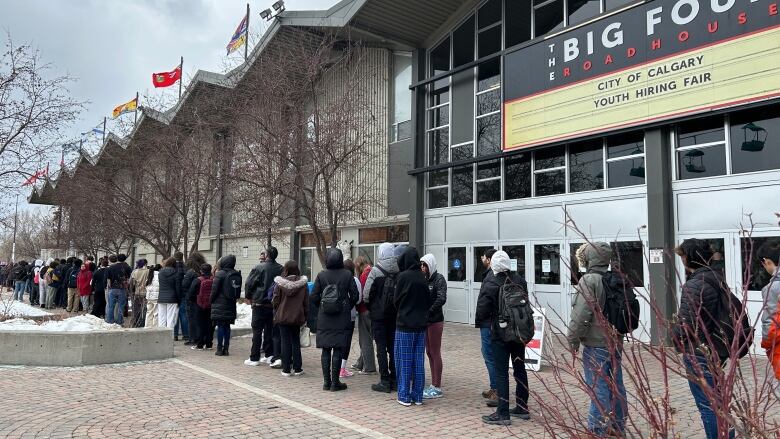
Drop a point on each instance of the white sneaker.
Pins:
(249, 362)
(286, 374)
(298, 373)
(265, 360)
(276, 364)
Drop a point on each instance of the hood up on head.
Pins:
(227, 262)
(430, 261)
(386, 258)
(399, 250)
(409, 260)
(594, 255)
(85, 267)
(499, 263)
(334, 259)
(38, 263)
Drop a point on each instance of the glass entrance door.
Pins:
(477, 271)
(545, 282)
(457, 307)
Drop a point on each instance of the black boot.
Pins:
(337, 386)
(326, 385)
(218, 352)
(383, 386)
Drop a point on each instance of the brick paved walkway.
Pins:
(200, 395)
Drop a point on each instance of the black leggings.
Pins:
(290, 341)
(331, 365)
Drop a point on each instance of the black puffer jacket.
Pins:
(483, 321)
(260, 280)
(412, 298)
(223, 301)
(170, 285)
(186, 283)
(487, 303)
(699, 303)
(333, 329)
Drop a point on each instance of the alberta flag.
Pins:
(239, 36)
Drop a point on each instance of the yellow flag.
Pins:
(125, 108)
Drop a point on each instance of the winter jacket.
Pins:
(99, 280)
(375, 282)
(180, 270)
(20, 273)
(290, 300)
(487, 302)
(333, 329)
(140, 277)
(362, 307)
(84, 280)
(223, 303)
(412, 298)
(480, 321)
(771, 294)
(186, 282)
(260, 280)
(771, 342)
(699, 304)
(437, 287)
(153, 289)
(585, 326)
(118, 275)
(170, 285)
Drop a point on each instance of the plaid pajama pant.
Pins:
(410, 365)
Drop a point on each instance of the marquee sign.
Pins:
(659, 60)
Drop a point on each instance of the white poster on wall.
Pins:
(545, 266)
(513, 265)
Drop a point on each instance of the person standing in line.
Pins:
(52, 282)
(334, 294)
(168, 297)
(62, 293)
(258, 284)
(84, 286)
(20, 280)
(200, 288)
(379, 283)
(769, 256)
(603, 347)
(182, 324)
(291, 302)
(696, 320)
(413, 301)
(437, 287)
(99, 286)
(194, 261)
(488, 311)
(73, 290)
(118, 282)
(138, 280)
(35, 281)
(152, 295)
(366, 363)
(225, 291)
(491, 395)
(344, 372)
(42, 285)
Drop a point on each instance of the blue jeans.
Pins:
(487, 355)
(604, 375)
(223, 334)
(703, 403)
(183, 322)
(19, 286)
(116, 299)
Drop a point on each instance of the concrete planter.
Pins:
(43, 348)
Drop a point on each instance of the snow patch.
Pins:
(85, 323)
(243, 316)
(14, 308)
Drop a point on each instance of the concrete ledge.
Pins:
(41, 348)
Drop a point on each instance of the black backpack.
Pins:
(515, 315)
(621, 307)
(73, 275)
(732, 321)
(232, 286)
(331, 302)
(388, 293)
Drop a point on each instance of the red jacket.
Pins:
(84, 280)
(362, 307)
(772, 344)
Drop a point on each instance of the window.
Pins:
(489, 41)
(438, 182)
(305, 265)
(582, 10)
(550, 171)
(758, 275)
(517, 25)
(463, 43)
(489, 181)
(367, 251)
(462, 185)
(456, 264)
(378, 235)
(628, 259)
(547, 264)
(548, 16)
(517, 183)
(701, 148)
(586, 166)
(479, 269)
(626, 159)
(402, 97)
(516, 252)
(755, 139)
(489, 13)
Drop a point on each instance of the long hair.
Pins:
(291, 269)
(170, 262)
(195, 261)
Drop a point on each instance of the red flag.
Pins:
(166, 79)
(33, 178)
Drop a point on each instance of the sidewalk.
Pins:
(201, 395)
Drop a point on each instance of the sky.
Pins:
(112, 47)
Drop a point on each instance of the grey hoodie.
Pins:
(385, 260)
(584, 328)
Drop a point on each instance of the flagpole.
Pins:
(16, 218)
(135, 117)
(246, 43)
(104, 130)
(181, 75)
